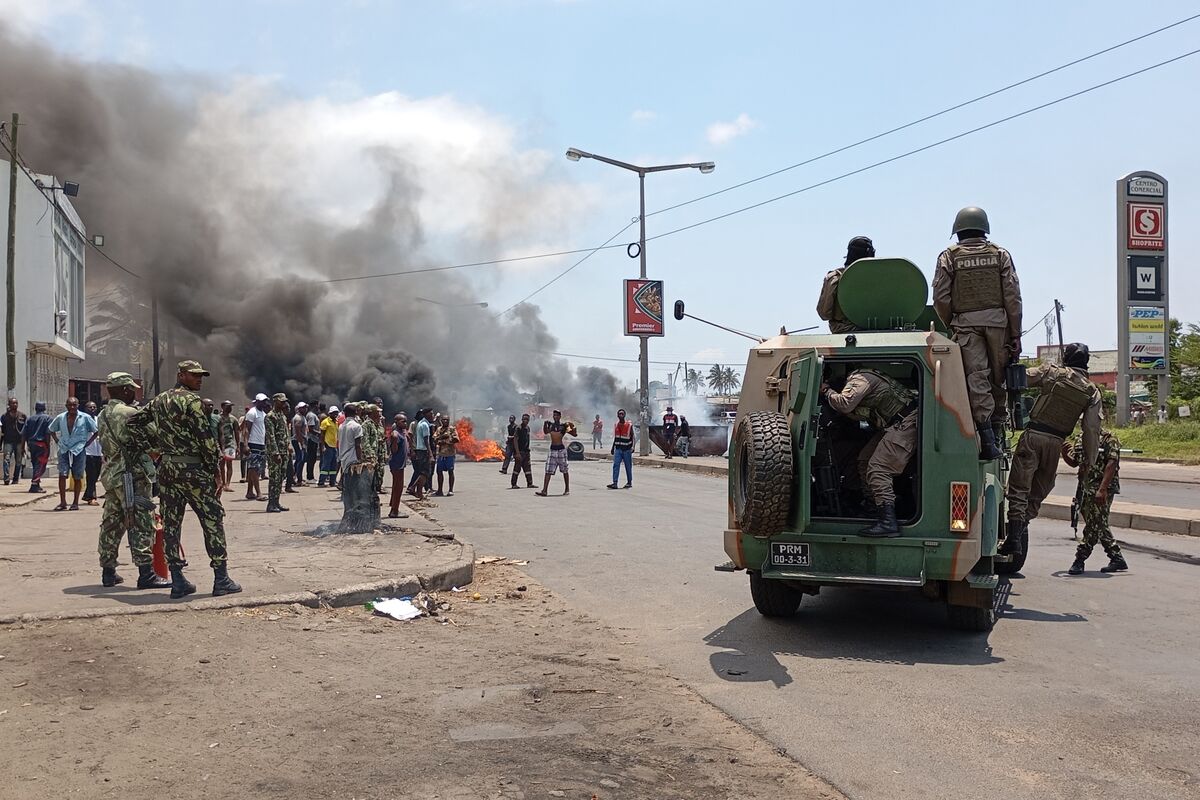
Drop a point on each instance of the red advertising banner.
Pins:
(1146, 228)
(643, 308)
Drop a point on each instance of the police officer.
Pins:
(175, 425)
(278, 450)
(891, 410)
(119, 458)
(828, 307)
(976, 293)
(1067, 397)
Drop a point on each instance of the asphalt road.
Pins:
(1086, 688)
(1155, 493)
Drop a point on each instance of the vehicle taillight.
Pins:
(960, 506)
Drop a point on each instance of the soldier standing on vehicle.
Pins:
(176, 426)
(976, 293)
(121, 457)
(891, 410)
(1096, 495)
(278, 450)
(1067, 397)
(828, 307)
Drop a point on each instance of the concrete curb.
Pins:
(458, 573)
(1160, 519)
(37, 498)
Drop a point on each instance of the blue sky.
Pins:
(753, 86)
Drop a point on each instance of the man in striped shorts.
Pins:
(557, 459)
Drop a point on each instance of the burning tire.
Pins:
(575, 451)
(762, 473)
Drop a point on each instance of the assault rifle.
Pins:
(1076, 502)
(133, 501)
(1016, 381)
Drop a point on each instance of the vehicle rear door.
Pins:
(804, 383)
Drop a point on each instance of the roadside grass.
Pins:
(1177, 440)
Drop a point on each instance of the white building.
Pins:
(49, 271)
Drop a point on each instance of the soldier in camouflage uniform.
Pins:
(891, 410)
(976, 293)
(375, 415)
(828, 307)
(175, 425)
(1096, 493)
(1068, 397)
(372, 440)
(279, 451)
(120, 457)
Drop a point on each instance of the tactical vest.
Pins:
(1058, 410)
(881, 406)
(976, 277)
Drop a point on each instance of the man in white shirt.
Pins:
(254, 444)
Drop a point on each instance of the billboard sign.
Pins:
(1147, 227)
(643, 308)
(1147, 338)
(1144, 283)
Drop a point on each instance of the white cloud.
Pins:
(642, 115)
(709, 354)
(723, 132)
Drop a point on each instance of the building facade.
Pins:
(50, 312)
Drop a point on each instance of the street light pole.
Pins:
(705, 167)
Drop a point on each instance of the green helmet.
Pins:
(971, 218)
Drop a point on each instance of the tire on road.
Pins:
(970, 618)
(762, 473)
(1014, 566)
(774, 598)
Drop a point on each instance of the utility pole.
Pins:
(1058, 317)
(10, 328)
(154, 333)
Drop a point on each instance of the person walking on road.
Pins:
(71, 430)
(597, 433)
(509, 446)
(446, 441)
(94, 456)
(1068, 397)
(521, 458)
(12, 426)
(398, 445)
(229, 442)
(828, 307)
(175, 425)
(299, 443)
(278, 452)
(622, 450)
(557, 457)
(422, 444)
(254, 447)
(121, 457)
(1096, 498)
(37, 443)
(976, 293)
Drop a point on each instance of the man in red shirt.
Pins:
(670, 429)
(622, 450)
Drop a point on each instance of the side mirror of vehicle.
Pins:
(678, 309)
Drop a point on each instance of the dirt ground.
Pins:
(517, 696)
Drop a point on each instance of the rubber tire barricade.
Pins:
(762, 473)
(1014, 566)
(774, 598)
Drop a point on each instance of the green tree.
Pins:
(716, 378)
(732, 380)
(693, 381)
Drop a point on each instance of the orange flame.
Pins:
(476, 449)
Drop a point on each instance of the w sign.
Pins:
(1145, 278)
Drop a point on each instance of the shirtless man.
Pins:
(557, 459)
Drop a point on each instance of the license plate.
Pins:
(787, 554)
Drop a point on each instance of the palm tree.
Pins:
(693, 381)
(716, 378)
(731, 380)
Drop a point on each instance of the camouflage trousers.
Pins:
(1095, 528)
(112, 527)
(182, 485)
(277, 468)
(379, 470)
(885, 457)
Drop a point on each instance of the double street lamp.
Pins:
(574, 154)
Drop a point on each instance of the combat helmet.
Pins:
(971, 218)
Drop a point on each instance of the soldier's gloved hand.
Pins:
(1014, 347)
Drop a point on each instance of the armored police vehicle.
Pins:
(796, 500)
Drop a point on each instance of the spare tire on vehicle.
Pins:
(762, 472)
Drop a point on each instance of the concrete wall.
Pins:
(50, 277)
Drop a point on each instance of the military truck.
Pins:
(796, 503)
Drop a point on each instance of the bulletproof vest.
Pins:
(1062, 402)
(976, 277)
(883, 404)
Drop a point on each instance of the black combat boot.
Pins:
(1115, 565)
(885, 526)
(109, 576)
(272, 508)
(987, 444)
(1076, 567)
(222, 583)
(1013, 545)
(148, 580)
(180, 586)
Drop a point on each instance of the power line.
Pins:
(565, 271)
(677, 362)
(922, 149)
(1039, 322)
(50, 199)
(928, 117)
